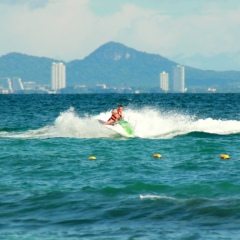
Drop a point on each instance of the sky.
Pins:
(200, 33)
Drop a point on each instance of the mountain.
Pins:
(112, 64)
(28, 68)
(117, 65)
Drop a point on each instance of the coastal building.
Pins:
(29, 85)
(179, 79)
(164, 85)
(16, 85)
(5, 86)
(58, 76)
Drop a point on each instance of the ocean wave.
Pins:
(148, 123)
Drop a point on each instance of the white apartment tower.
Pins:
(58, 76)
(179, 79)
(164, 81)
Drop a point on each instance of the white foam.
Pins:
(153, 123)
(67, 124)
(156, 197)
(147, 123)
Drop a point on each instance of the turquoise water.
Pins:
(51, 190)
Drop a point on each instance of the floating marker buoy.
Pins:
(224, 156)
(92, 158)
(157, 155)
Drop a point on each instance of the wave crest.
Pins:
(147, 123)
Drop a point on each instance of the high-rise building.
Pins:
(16, 84)
(179, 79)
(164, 81)
(58, 76)
(5, 85)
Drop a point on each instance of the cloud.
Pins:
(31, 3)
(206, 33)
(62, 29)
(56, 30)
(71, 29)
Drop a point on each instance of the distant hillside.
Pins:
(118, 65)
(28, 68)
(113, 64)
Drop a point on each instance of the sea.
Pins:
(66, 176)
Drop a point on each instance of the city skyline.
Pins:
(101, 68)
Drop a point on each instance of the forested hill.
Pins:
(113, 64)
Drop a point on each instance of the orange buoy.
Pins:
(157, 155)
(224, 156)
